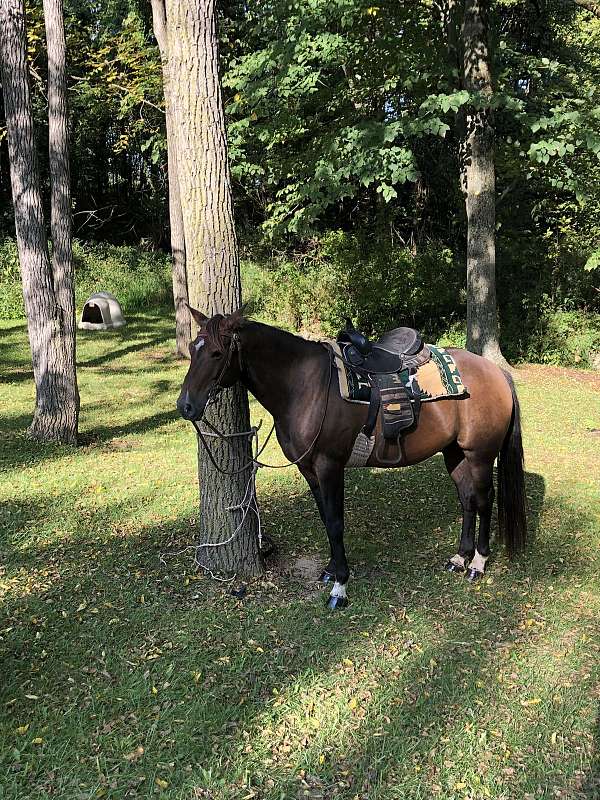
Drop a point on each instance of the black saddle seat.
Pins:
(395, 350)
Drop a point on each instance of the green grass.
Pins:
(122, 676)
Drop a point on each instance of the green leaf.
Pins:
(593, 261)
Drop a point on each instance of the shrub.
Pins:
(11, 293)
(377, 284)
(560, 338)
(138, 279)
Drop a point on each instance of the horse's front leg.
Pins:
(328, 574)
(331, 485)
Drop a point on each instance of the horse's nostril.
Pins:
(186, 409)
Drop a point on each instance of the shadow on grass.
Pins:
(160, 330)
(111, 642)
(16, 375)
(103, 433)
(29, 452)
(591, 788)
(106, 626)
(133, 347)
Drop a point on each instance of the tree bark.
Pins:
(482, 314)
(591, 5)
(52, 348)
(63, 271)
(451, 16)
(213, 271)
(183, 330)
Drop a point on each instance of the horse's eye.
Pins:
(216, 354)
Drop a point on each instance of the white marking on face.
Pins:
(478, 562)
(200, 343)
(458, 560)
(339, 590)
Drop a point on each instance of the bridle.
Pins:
(216, 388)
(234, 345)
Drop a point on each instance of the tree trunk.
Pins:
(183, 331)
(482, 314)
(451, 15)
(213, 271)
(591, 5)
(56, 408)
(63, 272)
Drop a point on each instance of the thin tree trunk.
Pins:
(482, 314)
(451, 15)
(213, 271)
(183, 331)
(55, 414)
(591, 5)
(63, 272)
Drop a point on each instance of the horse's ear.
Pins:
(197, 316)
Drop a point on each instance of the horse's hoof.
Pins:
(450, 566)
(327, 577)
(336, 602)
(473, 575)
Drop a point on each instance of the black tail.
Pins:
(512, 513)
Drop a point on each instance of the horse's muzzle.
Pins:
(188, 409)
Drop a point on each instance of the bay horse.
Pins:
(293, 378)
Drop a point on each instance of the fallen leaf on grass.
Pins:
(533, 702)
(135, 754)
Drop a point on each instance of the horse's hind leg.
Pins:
(459, 470)
(482, 471)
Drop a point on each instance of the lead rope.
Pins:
(254, 460)
(249, 502)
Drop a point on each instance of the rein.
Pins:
(254, 462)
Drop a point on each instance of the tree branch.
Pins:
(593, 6)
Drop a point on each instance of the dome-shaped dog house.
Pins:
(101, 312)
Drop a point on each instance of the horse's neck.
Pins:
(278, 366)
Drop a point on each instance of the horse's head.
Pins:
(215, 361)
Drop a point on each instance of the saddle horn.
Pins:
(350, 334)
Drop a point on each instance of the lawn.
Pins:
(128, 675)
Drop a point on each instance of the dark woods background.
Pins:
(345, 119)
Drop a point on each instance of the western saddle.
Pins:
(396, 350)
(381, 362)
